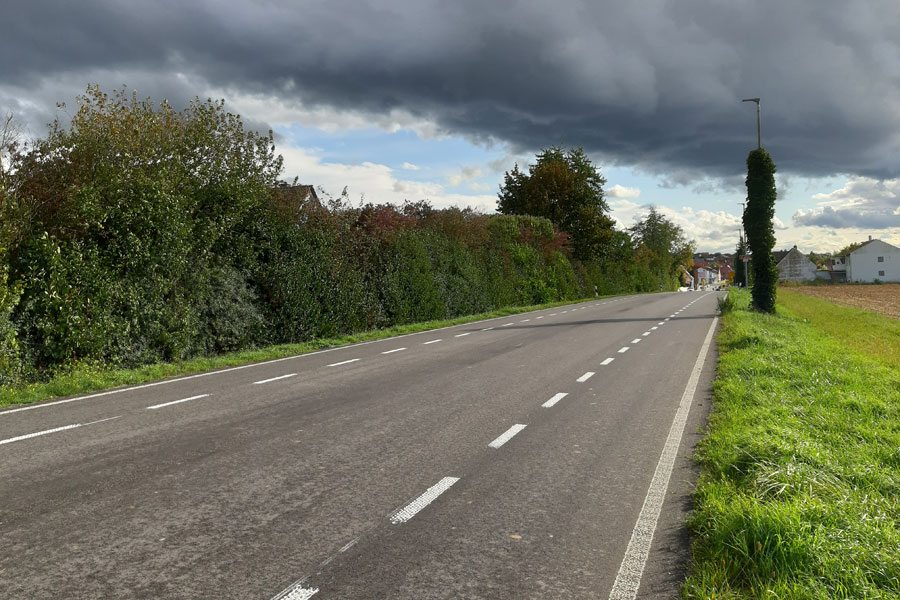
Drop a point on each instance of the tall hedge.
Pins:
(758, 223)
(137, 233)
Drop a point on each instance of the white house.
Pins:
(795, 266)
(873, 260)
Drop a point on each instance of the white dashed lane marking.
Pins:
(394, 350)
(607, 361)
(623, 349)
(506, 436)
(155, 406)
(585, 377)
(410, 510)
(297, 592)
(549, 403)
(636, 341)
(343, 362)
(431, 342)
(463, 334)
(274, 379)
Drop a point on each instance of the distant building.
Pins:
(296, 202)
(873, 260)
(795, 266)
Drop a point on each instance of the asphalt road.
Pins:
(509, 458)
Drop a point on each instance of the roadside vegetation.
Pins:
(139, 241)
(799, 494)
(92, 377)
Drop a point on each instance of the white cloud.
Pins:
(712, 231)
(411, 167)
(464, 174)
(862, 203)
(285, 110)
(372, 182)
(620, 191)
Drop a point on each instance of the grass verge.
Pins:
(799, 494)
(88, 378)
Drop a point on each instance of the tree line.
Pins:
(136, 233)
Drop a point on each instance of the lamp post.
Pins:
(758, 134)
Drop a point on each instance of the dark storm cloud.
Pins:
(655, 84)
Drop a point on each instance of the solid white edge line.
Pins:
(549, 403)
(410, 510)
(155, 406)
(628, 579)
(394, 350)
(506, 435)
(344, 362)
(273, 379)
(28, 436)
(585, 377)
(607, 361)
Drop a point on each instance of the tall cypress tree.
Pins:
(758, 216)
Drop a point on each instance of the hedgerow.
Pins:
(138, 234)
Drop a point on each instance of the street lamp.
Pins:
(758, 134)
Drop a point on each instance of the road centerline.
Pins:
(507, 435)
(406, 513)
(552, 401)
(274, 379)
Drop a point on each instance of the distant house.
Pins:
(297, 202)
(873, 260)
(706, 274)
(796, 266)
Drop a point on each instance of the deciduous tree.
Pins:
(565, 187)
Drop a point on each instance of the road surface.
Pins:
(532, 456)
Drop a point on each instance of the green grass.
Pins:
(799, 494)
(88, 378)
(861, 330)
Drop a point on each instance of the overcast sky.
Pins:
(413, 99)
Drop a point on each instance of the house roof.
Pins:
(867, 242)
(786, 253)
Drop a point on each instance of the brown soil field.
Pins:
(884, 299)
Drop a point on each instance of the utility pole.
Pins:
(758, 133)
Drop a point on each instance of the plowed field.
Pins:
(884, 299)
